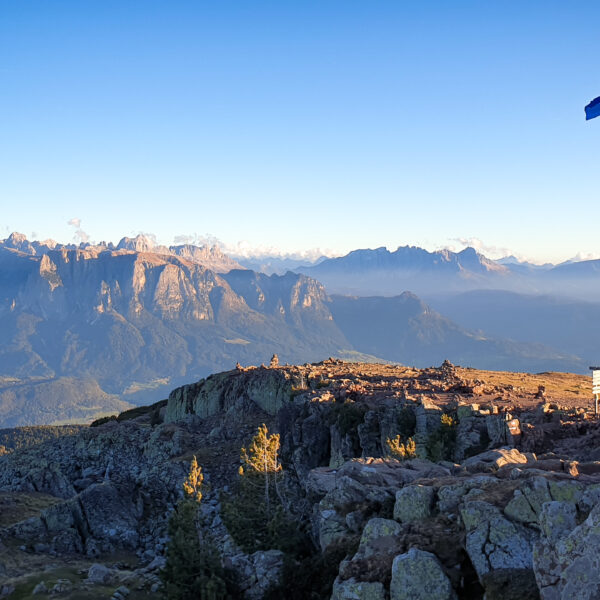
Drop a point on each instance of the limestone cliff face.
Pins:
(209, 256)
(145, 322)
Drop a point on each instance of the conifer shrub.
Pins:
(442, 442)
(255, 514)
(396, 449)
(193, 569)
(347, 416)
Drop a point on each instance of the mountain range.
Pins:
(382, 272)
(96, 328)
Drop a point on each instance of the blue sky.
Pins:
(297, 125)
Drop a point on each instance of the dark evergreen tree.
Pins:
(193, 569)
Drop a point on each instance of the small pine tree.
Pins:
(255, 515)
(192, 486)
(396, 449)
(261, 461)
(441, 443)
(193, 569)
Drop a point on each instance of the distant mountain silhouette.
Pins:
(381, 272)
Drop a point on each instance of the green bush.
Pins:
(347, 416)
(193, 569)
(254, 515)
(442, 442)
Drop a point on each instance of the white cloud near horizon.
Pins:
(80, 235)
(489, 250)
(244, 249)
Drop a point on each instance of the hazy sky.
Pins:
(330, 124)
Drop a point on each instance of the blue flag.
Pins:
(592, 109)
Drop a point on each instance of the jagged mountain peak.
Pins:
(141, 243)
(210, 256)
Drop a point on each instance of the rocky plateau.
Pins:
(501, 500)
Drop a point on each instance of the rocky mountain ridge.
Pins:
(126, 326)
(501, 499)
(382, 272)
(132, 321)
(211, 257)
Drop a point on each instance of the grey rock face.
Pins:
(413, 503)
(557, 519)
(377, 536)
(270, 389)
(258, 572)
(493, 542)
(100, 574)
(357, 590)
(418, 575)
(126, 509)
(568, 565)
(492, 460)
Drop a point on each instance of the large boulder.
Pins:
(380, 542)
(111, 516)
(378, 536)
(257, 572)
(557, 519)
(568, 567)
(492, 541)
(332, 527)
(418, 575)
(269, 389)
(358, 590)
(492, 460)
(413, 503)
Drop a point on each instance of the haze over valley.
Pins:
(93, 328)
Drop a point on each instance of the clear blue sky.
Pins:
(331, 124)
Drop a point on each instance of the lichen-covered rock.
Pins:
(519, 509)
(413, 503)
(566, 490)
(270, 389)
(331, 526)
(494, 542)
(570, 566)
(557, 519)
(537, 492)
(376, 535)
(380, 542)
(590, 497)
(357, 590)
(450, 495)
(257, 572)
(418, 575)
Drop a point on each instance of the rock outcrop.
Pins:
(513, 519)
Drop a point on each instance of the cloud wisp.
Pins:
(80, 235)
(246, 250)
